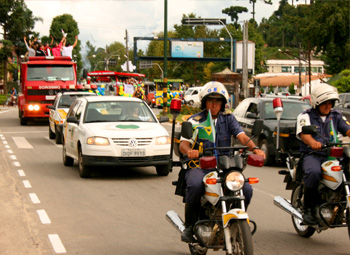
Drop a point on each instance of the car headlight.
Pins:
(163, 140)
(97, 141)
(234, 181)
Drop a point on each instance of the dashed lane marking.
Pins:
(57, 244)
(44, 218)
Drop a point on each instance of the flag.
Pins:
(206, 129)
(333, 133)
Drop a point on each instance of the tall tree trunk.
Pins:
(5, 67)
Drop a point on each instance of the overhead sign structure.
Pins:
(187, 49)
(251, 57)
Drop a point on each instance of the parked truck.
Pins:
(41, 79)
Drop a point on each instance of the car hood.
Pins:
(126, 129)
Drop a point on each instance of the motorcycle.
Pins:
(223, 221)
(333, 209)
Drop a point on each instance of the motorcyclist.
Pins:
(213, 97)
(322, 115)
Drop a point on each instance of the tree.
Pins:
(16, 21)
(233, 12)
(343, 84)
(67, 23)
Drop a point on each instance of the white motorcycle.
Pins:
(223, 222)
(333, 210)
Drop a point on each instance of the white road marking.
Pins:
(21, 173)
(34, 198)
(10, 151)
(44, 218)
(57, 244)
(13, 157)
(7, 146)
(26, 184)
(3, 138)
(16, 163)
(22, 143)
(4, 142)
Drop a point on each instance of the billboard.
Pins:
(186, 49)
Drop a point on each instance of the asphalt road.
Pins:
(48, 209)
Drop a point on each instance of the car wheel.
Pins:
(264, 146)
(67, 161)
(84, 171)
(51, 134)
(22, 120)
(58, 136)
(162, 170)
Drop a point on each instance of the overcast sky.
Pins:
(105, 22)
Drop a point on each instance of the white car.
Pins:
(114, 131)
(59, 109)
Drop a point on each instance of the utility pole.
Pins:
(245, 60)
(127, 50)
(165, 80)
(106, 63)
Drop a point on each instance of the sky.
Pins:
(103, 22)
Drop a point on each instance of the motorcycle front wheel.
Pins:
(241, 238)
(302, 230)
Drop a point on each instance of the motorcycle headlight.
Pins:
(234, 181)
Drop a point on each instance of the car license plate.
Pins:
(133, 152)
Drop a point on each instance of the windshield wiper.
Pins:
(59, 79)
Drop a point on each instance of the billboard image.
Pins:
(186, 49)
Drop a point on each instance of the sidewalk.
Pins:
(16, 236)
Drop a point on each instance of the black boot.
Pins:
(310, 202)
(190, 220)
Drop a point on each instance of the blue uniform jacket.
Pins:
(340, 124)
(226, 126)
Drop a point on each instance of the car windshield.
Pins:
(291, 110)
(67, 100)
(118, 111)
(50, 73)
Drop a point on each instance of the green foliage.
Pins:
(189, 110)
(343, 83)
(291, 89)
(270, 89)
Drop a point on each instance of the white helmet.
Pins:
(322, 93)
(214, 89)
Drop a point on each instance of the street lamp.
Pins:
(210, 21)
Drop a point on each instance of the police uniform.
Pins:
(226, 125)
(312, 163)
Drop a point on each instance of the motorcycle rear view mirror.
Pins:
(186, 130)
(309, 130)
(257, 127)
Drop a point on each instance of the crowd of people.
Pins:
(36, 48)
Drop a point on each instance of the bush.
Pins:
(189, 110)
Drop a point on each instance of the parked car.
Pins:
(114, 131)
(191, 96)
(252, 108)
(59, 109)
(344, 105)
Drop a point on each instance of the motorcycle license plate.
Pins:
(133, 153)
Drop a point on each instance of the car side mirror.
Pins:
(163, 119)
(186, 130)
(257, 127)
(73, 119)
(251, 115)
(309, 130)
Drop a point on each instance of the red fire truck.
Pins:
(41, 79)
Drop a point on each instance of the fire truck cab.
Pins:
(41, 79)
